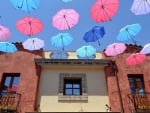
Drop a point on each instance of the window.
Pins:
(136, 82)
(10, 82)
(72, 87)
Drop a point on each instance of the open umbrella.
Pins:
(140, 7)
(61, 40)
(29, 25)
(128, 32)
(33, 44)
(59, 55)
(94, 34)
(65, 19)
(66, 1)
(4, 33)
(104, 10)
(135, 58)
(146, 49)
(86, 51)
(7, 47)
(26, 5)
(115, 49)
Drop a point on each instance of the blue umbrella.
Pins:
(26, 5)
(66, 1)
(94, 34)
(86, 51)
(128, 32)
(7, 47)
(59, 55)
(61, 40)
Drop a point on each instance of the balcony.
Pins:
(9, 102)
(139, 103)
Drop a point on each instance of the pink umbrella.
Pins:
(115, 49)
(4, 33)
(29, 25)
(65, 19)
(135, 58)
(104, 10)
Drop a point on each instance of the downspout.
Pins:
(115, 70)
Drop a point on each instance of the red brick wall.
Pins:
(23, 62)
(123, 71)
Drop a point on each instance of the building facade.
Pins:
(19, 78)
(39, 82)
(72, 85)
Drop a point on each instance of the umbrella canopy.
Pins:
(86, 51)
(135, 58)
(128, 32)
(59, 55)
(140, 7)
(66, 0)
(94, 34)
(146, 49)
(115, 49)
(7, 47)
(29, 25)
(26, 5)
(65, 19)
(33, 44)
(104, 10)
(61, 40)
(4, 33)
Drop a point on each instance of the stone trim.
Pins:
(77, 62)
(64, 98)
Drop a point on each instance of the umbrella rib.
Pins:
(36, 26)
(55, 21)
(27, 6)
(62, 42)
(67, 23)
(129, 34)
(138, 7)
(110, 10)
(145, 6)
(20, 6)
(35, 4)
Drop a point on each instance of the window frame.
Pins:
(78, 98)
(12, 75)
(134, 77)
(72, 82)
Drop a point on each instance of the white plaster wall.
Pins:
(48, 90)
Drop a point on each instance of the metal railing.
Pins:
(9, 102)
(139, 102)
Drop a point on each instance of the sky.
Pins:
(48, 8)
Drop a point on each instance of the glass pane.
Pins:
(76, 91)
(131, 79)
(16, 81)
(140, 85)
(7, 82)
(76, 85)
(138, 79)
(68, 85)
(68, 91)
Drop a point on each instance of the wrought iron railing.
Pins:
(9, 102)
(139, 102)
